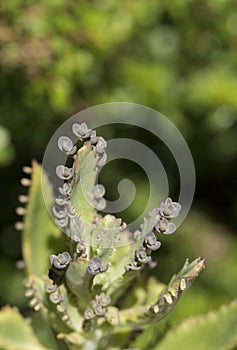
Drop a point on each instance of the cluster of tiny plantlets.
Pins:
(79, 280)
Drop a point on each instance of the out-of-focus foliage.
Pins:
(24, 337)
(179, 57)
(6, 148)
(214, 331)
(60, 56)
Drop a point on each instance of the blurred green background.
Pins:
(179, 57)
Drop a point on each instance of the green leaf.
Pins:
(82, 193)
(41, 237)
(144, 291)
(176, 288)
(111, 241)
(216, 330)
(79, 282)
(85, 173)
(149, 337)
(43, 330)
(164, 302)
(16, 333)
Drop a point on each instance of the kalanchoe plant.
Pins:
(80, 281)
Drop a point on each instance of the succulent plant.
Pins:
(79, 280)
